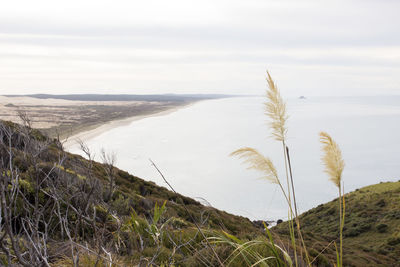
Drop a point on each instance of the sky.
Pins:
(311, 48)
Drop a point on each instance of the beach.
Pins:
(71, 119)
(96, 130)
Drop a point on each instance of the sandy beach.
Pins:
(96, 131)
(70, 120)
(44, 112)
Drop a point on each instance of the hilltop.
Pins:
(371, 232)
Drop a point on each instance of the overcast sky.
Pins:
(310, 47)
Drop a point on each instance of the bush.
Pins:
(364, 227)
(394, 239)
(381, 203)
(121, 204)
(352, 232)
(382, 251)
(331, 211)
(319, 260)
(382, 228)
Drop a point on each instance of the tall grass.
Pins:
(334, 165)
(256, 252)
(275, 109)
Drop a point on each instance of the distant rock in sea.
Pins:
(302, 97)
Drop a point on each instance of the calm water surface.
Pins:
(192, 145)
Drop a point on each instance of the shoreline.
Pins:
(93, 131)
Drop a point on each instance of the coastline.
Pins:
(87, 133)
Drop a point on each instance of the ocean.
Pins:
(191, 146)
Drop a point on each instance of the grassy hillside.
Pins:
(59, 208)
(142, 195)
(371, 232)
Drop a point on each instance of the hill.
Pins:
(59, 208)
(371, 232)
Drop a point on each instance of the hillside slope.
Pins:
(371, 232)
(59, 208)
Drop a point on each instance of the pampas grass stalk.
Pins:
(275, 108)
(334, 165)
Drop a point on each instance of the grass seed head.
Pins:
(257, 161)
(332, 158)
(275, 108)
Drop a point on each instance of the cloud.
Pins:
(199, 46)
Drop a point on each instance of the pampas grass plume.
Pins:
(257, 161)
(332, 158)
(275, 108)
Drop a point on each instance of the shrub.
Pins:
(382, 251)
(318, 259)
(352, 232)
(90, 260)
(394, 239)
(381, 203)
(382, 228)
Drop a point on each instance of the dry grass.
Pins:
(334, 165)
(275, 108)
(87, 260)
(258, 162)
(332, 159)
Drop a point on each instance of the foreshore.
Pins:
(87, 116)
(86, 133)
(72, 120)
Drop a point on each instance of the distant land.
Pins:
(128, 97)
(67, 115)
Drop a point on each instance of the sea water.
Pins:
(192, 145)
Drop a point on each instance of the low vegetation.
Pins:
(371, 235)
(60, 209)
